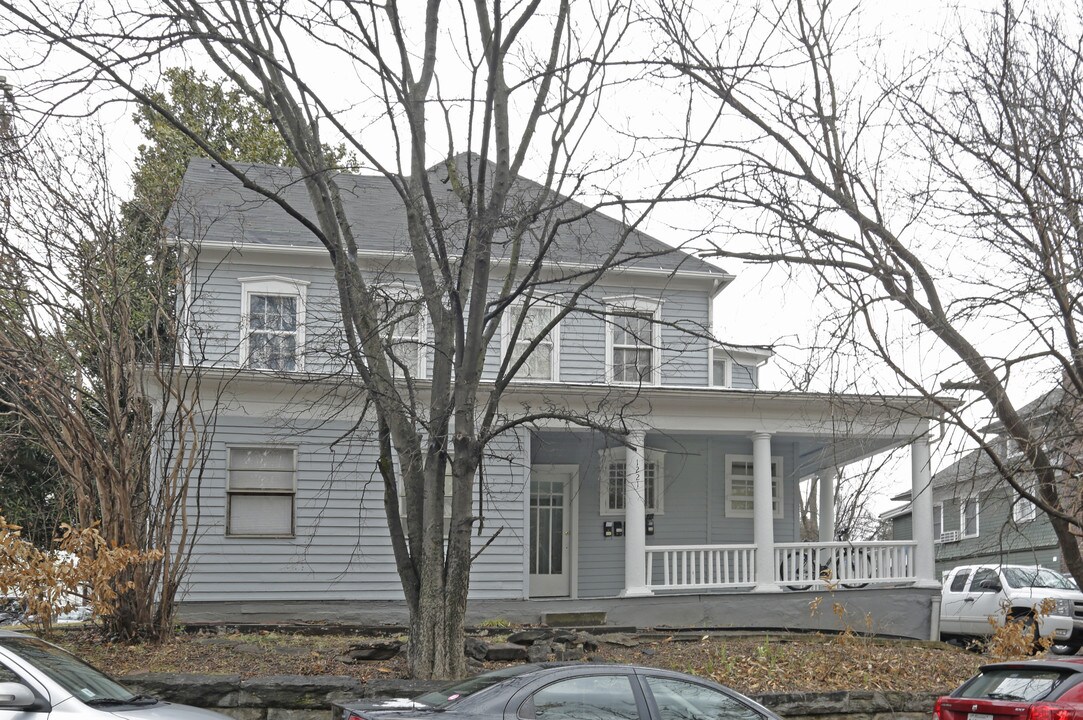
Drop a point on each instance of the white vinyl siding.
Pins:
(262, 483)
(740, 486)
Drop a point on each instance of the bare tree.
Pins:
(514, 87)
(76, 355)
(946, 196)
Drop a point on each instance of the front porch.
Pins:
(691, 504)
(796, 566)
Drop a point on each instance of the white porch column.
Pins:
(921, 508)
(635, 518)
(763, 514)
(827, 507)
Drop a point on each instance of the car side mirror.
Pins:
(993, 585)
(16, 696)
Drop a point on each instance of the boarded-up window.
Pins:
(260, 492)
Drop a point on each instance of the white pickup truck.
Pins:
(972, 594)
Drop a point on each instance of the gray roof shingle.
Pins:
(213, 206)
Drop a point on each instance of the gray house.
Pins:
(977, 516)
(696, 524)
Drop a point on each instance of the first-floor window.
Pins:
(260, 491)
(614, 475)
(740, 486)
(968, 518)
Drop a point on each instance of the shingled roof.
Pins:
(213, 206)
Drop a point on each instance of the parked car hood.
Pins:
(167, 711)
(1044, 592)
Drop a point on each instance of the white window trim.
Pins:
(938, 509)
(657, 457)
(278, 286)
(962, 518)
(1023, 510)
(637, 304)
(510, 314)
(420, 367)
(727, 373)
(776, 460)
(292, 493)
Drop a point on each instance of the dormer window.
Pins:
(632, 340)
(272, 323)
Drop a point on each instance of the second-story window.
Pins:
(272, 323)
(1023, 510)
(403, 316)
(968, 518)
(632, 341)
(543, 361)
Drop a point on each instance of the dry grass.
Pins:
(758, 663)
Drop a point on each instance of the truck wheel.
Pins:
(1030, 632)
(1064, 649)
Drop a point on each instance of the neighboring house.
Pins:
(290, 509)
(977, 516)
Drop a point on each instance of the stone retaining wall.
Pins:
(303, 697)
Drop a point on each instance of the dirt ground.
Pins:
(750, 663)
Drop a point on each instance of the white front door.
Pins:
(550, 532)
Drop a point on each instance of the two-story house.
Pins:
(977, 516)
(291, 515)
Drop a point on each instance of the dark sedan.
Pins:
(1044, 689)
(568, 691)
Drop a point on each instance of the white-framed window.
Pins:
(273, 323)
(544, 362)
(403, 317)
(721, 367)
(968, 518)
(740, 486)
(632, 340)
(613, 476)
(938, 521)
(261, 484)
(1024, 510)
(403, 515)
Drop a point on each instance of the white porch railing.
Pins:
(844, 563)
(700, 567)
(800, 565)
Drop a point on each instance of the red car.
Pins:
(1048, 689)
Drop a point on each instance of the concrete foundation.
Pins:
(906, 612)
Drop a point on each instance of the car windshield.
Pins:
(66, 670)
(1032, 683)
(439, 699)
(1037, 577)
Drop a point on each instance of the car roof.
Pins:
(1073, 664)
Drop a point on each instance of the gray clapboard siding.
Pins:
(216, 315)
(341, 549)
(744, 377)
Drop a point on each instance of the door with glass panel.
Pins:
(550, 533)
